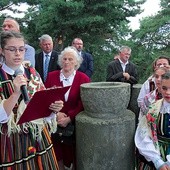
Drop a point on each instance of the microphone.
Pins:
(24, 91)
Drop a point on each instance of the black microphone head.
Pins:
(18, 72)
(23, 87)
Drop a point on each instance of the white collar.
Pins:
(11, 71)
(63, 78)
(123, 62)
(165, 107)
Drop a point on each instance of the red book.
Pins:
(38, 106)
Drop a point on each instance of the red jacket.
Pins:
(74, 104)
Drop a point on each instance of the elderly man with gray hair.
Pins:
(121, 69)
(47, 60)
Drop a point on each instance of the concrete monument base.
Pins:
(105, 129)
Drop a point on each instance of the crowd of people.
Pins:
(152, 133)
(49, 142)
(37, 144)
(152, 136)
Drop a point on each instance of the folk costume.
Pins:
(147, 87)
(152, 136)
(25, 146)
(149, 99)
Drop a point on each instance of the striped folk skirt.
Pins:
(20, 151)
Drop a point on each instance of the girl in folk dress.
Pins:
(155, 94)
(26, 146)
(152, 136)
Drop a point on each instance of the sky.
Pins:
(150, 7)
(23, 7)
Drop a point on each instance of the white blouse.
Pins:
(67, 82)
(144, 90)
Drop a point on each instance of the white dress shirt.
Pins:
(123, 65)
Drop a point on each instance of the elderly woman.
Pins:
(25, 146)
(69, 61)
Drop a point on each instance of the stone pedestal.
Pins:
(105, 129)
(133, 105)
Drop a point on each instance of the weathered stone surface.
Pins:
(133, 105)
(105, 129)
(105, 144)
(103, 99)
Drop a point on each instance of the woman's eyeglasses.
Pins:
(14, 49)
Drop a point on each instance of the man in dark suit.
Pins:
(47, 60)
(87, 64)
(121, 69)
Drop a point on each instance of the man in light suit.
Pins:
(11, 24)
(121, 69)
(46, 44)
(87, 64)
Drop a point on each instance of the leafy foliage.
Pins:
(101, 24)
(152, 40)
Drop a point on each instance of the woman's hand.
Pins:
(56, 106)
(19, 81)
(60, 115)
(63, 122)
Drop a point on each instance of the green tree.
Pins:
(152, 40)
(99, 23)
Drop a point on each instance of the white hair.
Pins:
(45, 37)
(73, 51)
(15, 21)
(125, 48)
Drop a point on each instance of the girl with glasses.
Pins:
(25, 146)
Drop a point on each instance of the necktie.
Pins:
(46, 66)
